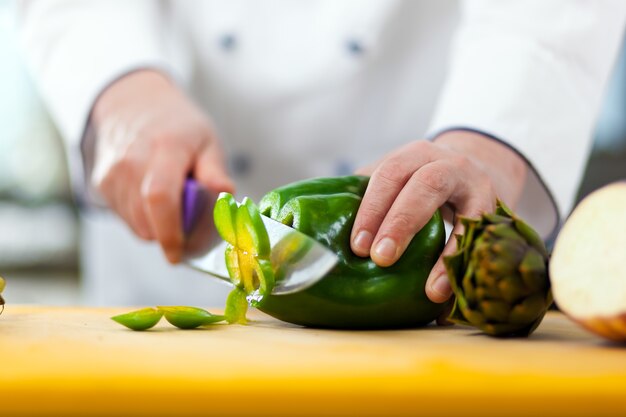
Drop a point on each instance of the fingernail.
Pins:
(441, 286)
(386, 249)
(173, 256)
(363, 241)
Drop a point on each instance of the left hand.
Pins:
(462, 172)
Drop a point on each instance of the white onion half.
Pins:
(588, 264)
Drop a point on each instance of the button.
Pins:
(344, 167)
(355, 47)
(228, 42)
(240, 164)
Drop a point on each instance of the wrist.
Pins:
(120, 93)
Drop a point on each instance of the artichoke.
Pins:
(499, 275)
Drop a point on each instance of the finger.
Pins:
(130, 196)
(139, 218)
(427, 189)
(126, 201)
(210, 170)
(438, 287)
(120, 187)
(161, 192)
(385, 184)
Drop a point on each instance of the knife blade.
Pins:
(299, 260)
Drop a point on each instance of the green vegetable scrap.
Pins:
(247, 255)
(499, 275)
(180, 316)
(143, 319)
(189, 317)
(236, 306)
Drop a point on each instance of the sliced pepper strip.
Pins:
(143, 319)
(185, 317)
(182, 317)
(247, 254)
(236, 307)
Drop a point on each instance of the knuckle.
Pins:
(108, 187)
(137, 209)
(479, 205)
(163, 140)
(421, 146)
(434, 179)
(487, 192)
(103, 184)
(139, 216)
(402, 223)
(123, 167)
(370, 213)
(462, 163)
(390, 173)
(156, 195)
(117, 167)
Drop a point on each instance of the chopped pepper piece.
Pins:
(143, 319)
(189, 317)
(236, 306)
(247, 254)
(180, 316)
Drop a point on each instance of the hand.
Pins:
(461, 172)
(149, 137)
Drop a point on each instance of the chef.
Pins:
(444, 103)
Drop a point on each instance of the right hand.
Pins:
(149, 137)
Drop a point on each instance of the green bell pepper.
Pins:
(356, 293)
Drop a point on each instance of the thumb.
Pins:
(210, 170)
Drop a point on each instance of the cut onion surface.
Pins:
(588, 264)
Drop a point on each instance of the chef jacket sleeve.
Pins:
(532, 74)
(76, 48)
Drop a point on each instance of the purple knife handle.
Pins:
(193, 203)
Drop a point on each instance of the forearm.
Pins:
(143, 81)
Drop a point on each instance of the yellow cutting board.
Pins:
(76, 361)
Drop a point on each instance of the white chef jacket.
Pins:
(299, 89)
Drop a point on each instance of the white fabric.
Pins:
(533, 74)
(302, 89)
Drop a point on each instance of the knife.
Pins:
(204, 249)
